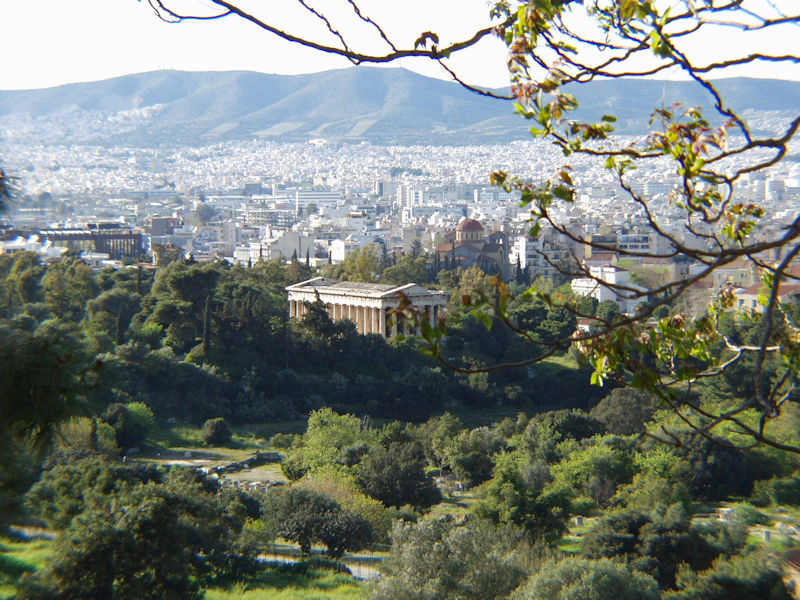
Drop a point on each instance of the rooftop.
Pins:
(357, 288)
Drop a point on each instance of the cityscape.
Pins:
(356, 300)
(250, 200)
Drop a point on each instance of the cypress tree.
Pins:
(206, 324)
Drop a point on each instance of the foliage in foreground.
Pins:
(445, 560)
(134, 539)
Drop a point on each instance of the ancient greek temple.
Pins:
(368, 305)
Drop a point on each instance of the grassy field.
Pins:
(16, 559)
(571, 541)
(292, 582)
(184, 436)
(565, 360)
(183, 445)
(456, 504)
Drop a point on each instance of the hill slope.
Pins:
(379, 105)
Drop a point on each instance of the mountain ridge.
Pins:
(364, 103)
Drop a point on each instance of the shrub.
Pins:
(216, 432)
(396, 476)
(61, 492)
(342, 488)
(753, 576)
(659, 542)
(778, 490)
(142, 416)
(747, 514)
(590, 579)
(80, 436)
(437, 558)
(145, 542)
(129, 429)
(625, 411)
(293, 467)
(305, 517)
(283, 441)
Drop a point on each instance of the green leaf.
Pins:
(484, 319)
(563, 192)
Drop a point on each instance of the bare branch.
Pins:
(434, 53)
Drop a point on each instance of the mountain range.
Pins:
(372, 104)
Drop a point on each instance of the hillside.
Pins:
(378, 105)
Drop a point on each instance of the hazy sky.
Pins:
(50, 42)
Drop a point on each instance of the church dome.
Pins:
(469, 225)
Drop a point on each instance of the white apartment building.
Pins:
(601, 286)
(323, 201)
(528, 251)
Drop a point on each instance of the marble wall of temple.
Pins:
(369, 306)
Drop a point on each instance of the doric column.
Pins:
(292, 309)
(381, 321)
(373, 313)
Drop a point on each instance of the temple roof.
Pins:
(360, 289)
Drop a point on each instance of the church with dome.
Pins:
(470, 245)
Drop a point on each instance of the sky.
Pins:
(52, 42)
